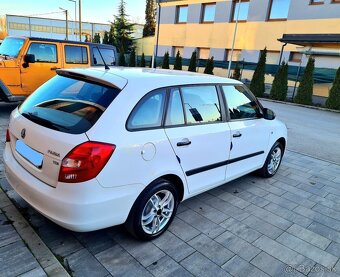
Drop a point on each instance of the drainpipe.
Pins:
(283, 46)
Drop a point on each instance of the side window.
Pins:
(108, 55)
(76, 54)
(46, 53)
(241, 103)
(175, 114)
(149, 111)
(201, 104)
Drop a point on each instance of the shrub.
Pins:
(165, 63)
(209, 68)
(280, 84)
(333, 101)
(257, 85)
(178, 62)
(305, 90)
(193, 62)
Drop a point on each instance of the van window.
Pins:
(11, 47)
(76, 54)
(149, 111)
(44, 53)
(175, 114)
(108, 55)
(68, 105)
(241, 104)
(201, 104)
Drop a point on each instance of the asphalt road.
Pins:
(310, 131)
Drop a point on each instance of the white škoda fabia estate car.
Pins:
(93, 148)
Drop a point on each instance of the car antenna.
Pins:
(105, 65)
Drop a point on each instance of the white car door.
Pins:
(250, 132)
(198, 135)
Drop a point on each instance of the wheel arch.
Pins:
(283, 142)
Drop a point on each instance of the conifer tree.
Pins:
(257, 85)
(209, 68)
(280, 84)
(106, 38)
(121, 58)
(165, 63)
(132, 58)
(193, 62)
(333, 101)
(305, 90)
(237, 72)
(142, 60)
(178, 62)
(150, 18)
(96, 38)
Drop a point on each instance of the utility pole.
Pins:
(155, 53)
(79, 20)
(233, 45)
(66, 29)
(75, 18)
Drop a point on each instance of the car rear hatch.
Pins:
(54, 120)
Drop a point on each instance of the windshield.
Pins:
(11, 47)
(68, 105)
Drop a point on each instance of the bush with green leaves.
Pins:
(165, 63)
(279, 88)
(333, 101)
(178, 62)
(304, 93)
(257, 85)
(132, 58)
(193, 62)
(209, 68)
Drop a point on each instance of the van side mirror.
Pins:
(268, 114)
(28, 58)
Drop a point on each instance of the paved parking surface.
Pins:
(288, 225)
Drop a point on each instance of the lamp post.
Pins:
(155, 52)
(66, 14)
(75, 17)
(233, 44)
(79, 20)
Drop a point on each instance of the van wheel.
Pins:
(153, 210)
(272, 162)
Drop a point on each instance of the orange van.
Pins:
(27, 62)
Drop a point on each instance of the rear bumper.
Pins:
(79, 207)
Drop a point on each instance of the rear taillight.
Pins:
(8, 137)
(85, 162)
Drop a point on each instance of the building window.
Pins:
(175, 49)
(203, 53)
(243, 13)
(182, 14)
(295, 57)
(335, 1)
(273, 57)
(316, 2)
(208, 14)
(236, 55)
(278, 9)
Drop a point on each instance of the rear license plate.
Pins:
(29, 154)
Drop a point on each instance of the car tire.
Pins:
(273, 161)
(153, 211)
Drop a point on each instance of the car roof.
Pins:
(119, 76)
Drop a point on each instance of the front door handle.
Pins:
(184, 142)
(237, 135)
(55, 68)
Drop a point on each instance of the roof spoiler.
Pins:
(82, 77)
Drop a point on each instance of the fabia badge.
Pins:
(23, 133)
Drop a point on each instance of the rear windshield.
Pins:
(68, 105)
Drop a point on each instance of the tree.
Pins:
(193, 62)
(333, 101)
(237, 72)
(142, 61)
(96, 38)
(209, 68)
(121, 29)
(280, 84)
(121, 58)
(305, 90)
(165, 63)
(150, 18)
(132, 59)
(257, 85)
(178, 62)
(106, 38)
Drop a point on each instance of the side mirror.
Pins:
(268, 114)
(28, 58)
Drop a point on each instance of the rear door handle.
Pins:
(184, 142)
(55, 68)
(237, 135)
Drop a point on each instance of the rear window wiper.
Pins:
(45, 122)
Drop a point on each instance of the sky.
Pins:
(100, 11)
